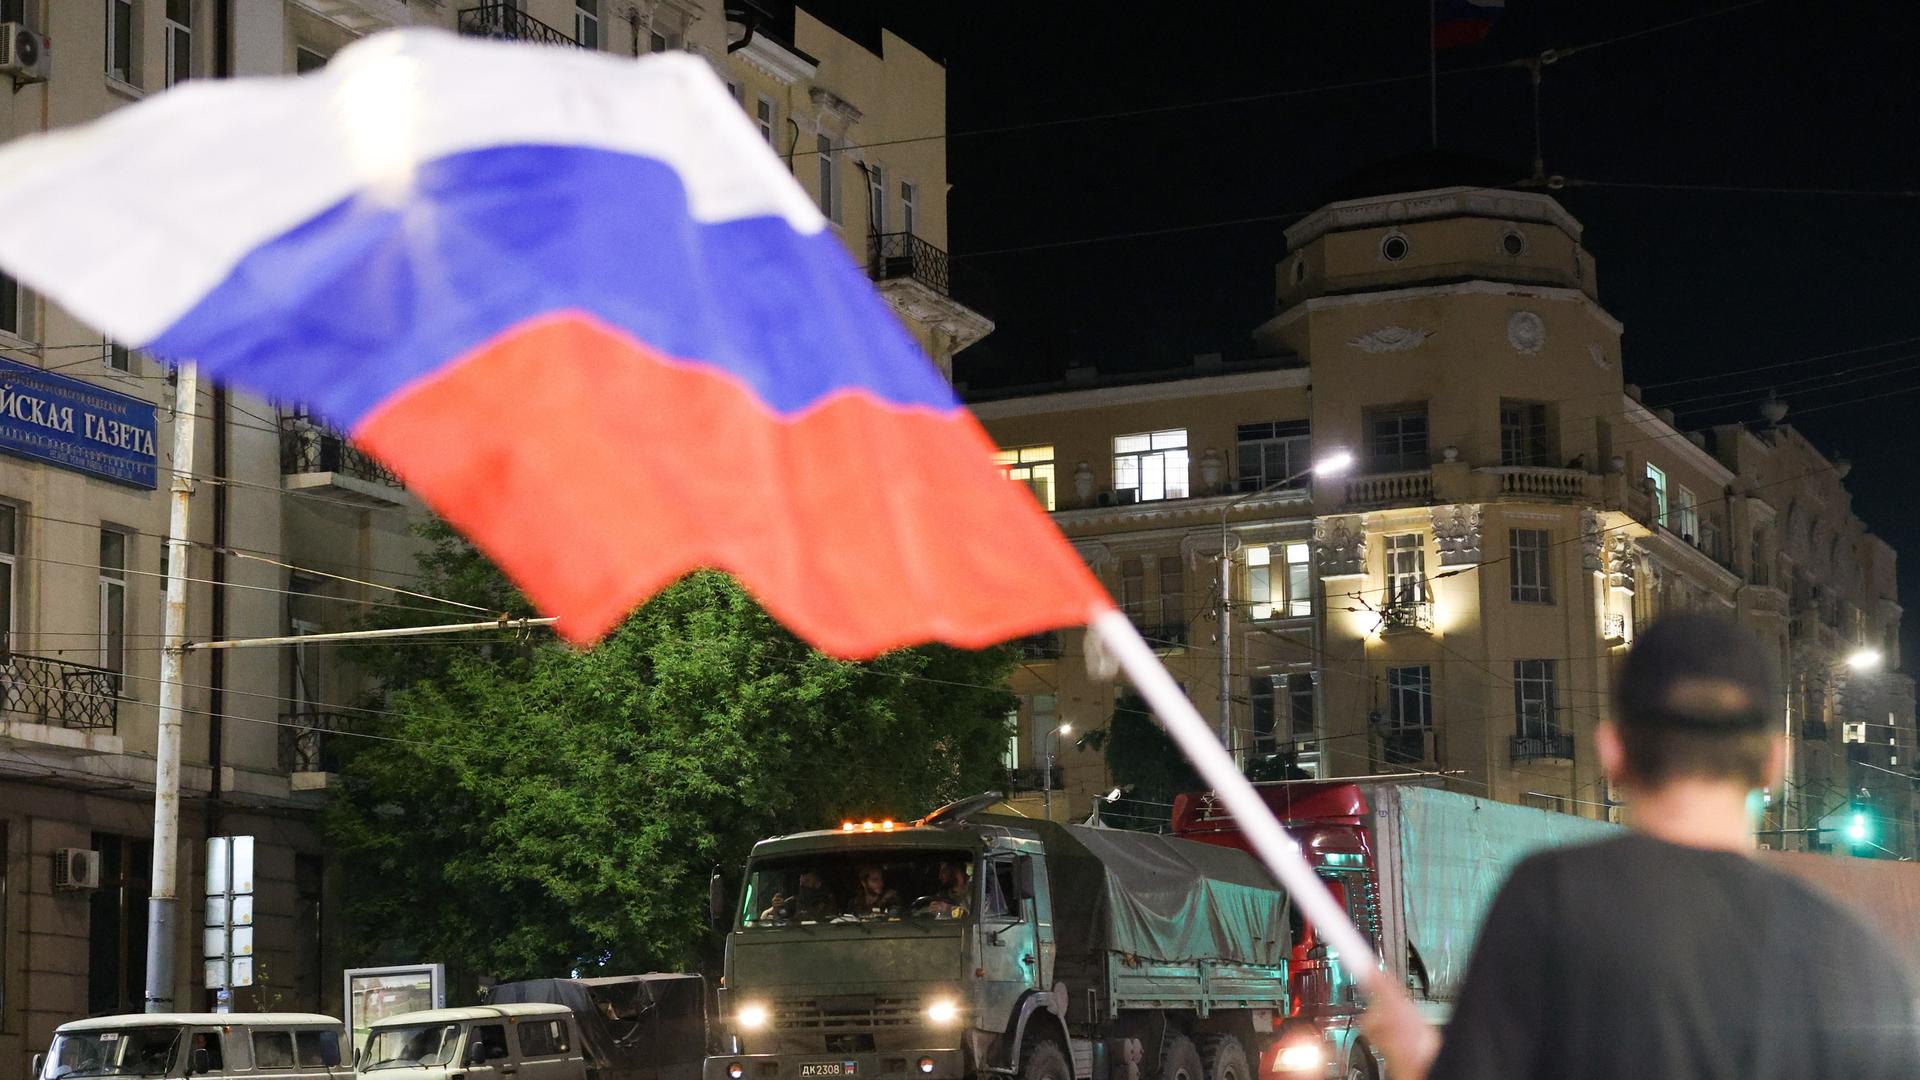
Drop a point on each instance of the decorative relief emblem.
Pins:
(1599, 357)
(1526, 332)
(1620, 563)
(1390, 339)
(1457, 530)
(1342, 544)
(1592, 558)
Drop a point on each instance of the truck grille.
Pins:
(830, 1015)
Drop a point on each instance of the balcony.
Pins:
(1407, 617)
(1550, 747)
(307, 746)
(1382, 489)
(1530, 482)
(1039, 646)
(1163, 636)
(60, 694)
(506, 22)
(317, 458)
(912, 275)
(1036, 778)
(1405, 746)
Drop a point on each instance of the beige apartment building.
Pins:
(1457, 600)
(287, 516)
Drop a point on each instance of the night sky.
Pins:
(1822, 98)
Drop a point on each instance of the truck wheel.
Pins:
(1224, 1058)
(1179, 1060)
(1043, 1060)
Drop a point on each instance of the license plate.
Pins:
(830, 1068)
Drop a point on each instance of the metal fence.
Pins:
(504, 20)
(307, 447)
(904, 255)
(1536, 747)
(59, 692)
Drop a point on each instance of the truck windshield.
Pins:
(875, 885)
(415, 1044)
(133, 1051)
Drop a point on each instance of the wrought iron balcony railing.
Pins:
(307, 447)
(507, 21)
(306, 742)
(60, 693)
(1535, 747)
(1405, 746)
(1163, 636)
(1406, 616)
(903, 255)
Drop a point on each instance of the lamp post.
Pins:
(1332, 465)
(1046, 776)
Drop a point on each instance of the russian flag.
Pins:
(579, 305)
(1464, 22)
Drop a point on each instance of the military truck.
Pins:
(966, 944)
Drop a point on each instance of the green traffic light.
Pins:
(1857, 828)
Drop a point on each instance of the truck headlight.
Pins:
(751, 1017)
(1300, 1057)
(943, 1011)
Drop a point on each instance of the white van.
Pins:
(527, 1041)
(174, 1046)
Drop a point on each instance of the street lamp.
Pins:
(1046, 776)
(1333, 464)
(1864, 658)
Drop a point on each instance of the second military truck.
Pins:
(968, 945)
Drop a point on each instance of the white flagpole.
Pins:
(1270, 842)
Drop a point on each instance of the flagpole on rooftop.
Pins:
(1275, 848)
(164, 901)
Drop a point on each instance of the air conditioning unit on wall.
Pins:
(76, 868)
(24, 54)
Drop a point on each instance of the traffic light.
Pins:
(1859, 828)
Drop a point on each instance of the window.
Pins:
(305, 60)
(13, 11)
(1273, 452)
(120, 53)
(1757, 564)
(316, 1049)
(763, 118)
(1394, 247)
(1173, 600)
(1528, 567)
(1710, 534)
(829, 204)
(272, 1049)
(876, 198)
(997, 890)
(1032, 466)
(1150, 466)
(117, 925)
(1524, 434)
(1283, 707)
(1657, 487)
(12, 307)
(906, 207)
(119, 357)
(309, 926)
(1297, 693)
(491, 1036)
(1406, 569)
(586, 23)
(9, 584)
(113, 599)
(1535, 716)
(543, 1038)
(1284, 591)
(208, 1039)
(1042, 717)
(1410, 698)
(179, 41)
(1686, 516)
(1133, 589)
(1010, 757)
(1397, 439)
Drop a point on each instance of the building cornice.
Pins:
(1403, 207)
(777, 60)
(1097, 397)
(1475, 287)
(1642, 417)
(1206, 507)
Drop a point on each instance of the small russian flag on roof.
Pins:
(579, 305)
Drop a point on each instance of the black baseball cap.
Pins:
(1699, 672)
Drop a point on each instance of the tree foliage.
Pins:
(1146, 764)
(525, 805)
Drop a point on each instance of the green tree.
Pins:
(523, 805)
(1146, 764)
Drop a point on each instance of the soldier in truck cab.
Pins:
(950, 902)
(811, 901)
(874, 898)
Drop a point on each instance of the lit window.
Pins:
(1284, 591)
(1273, 452)
(179, 30)
(1528, 574)
(1406, 569)
(1032, 466)
(586, 23)
(1150, 466)
(1657, 487)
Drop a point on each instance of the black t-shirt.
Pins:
(1635, 958)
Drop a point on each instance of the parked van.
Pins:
(484, 1042)
(255, 1046)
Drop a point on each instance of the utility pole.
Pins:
(1226, 632)
(163, 904)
